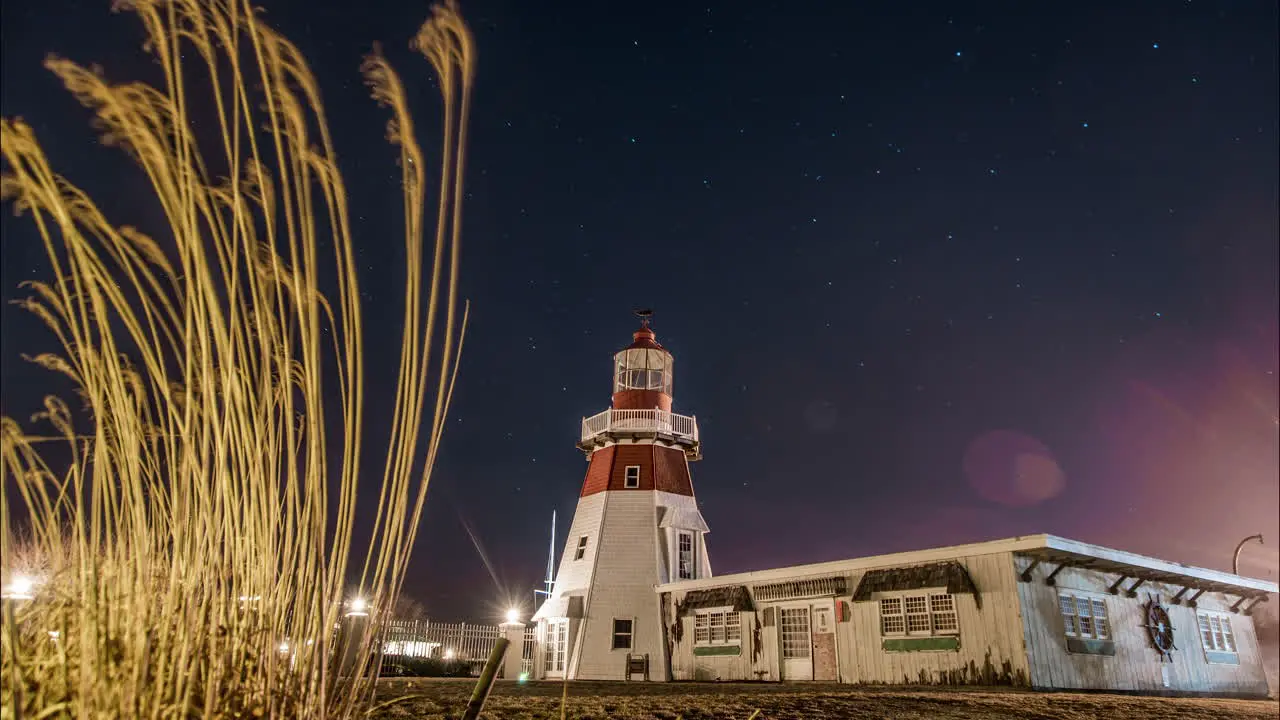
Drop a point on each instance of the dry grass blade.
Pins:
(193, 553)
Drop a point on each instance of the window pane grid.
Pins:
(685, 553)
(919, 615)
(717, 627)
(795, 633)
(1215, 633)
(1084, 617)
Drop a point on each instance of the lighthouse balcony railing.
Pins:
(683, 427)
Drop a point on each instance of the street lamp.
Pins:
(1235, 561)
(513, 616)
(20, 587)
(359, 607)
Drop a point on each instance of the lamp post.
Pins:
(1235, 561)
(19, 587)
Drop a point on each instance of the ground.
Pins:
(441, 699)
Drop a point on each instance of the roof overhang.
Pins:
(1062, 552)
(1047, 548)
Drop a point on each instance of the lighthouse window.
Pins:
(581, 552)
(1084, 617)
(622, 634)
(685, 556)
(633, 476)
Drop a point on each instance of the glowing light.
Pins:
(284, 648)
(449, 654)
(359, 607)
(513, 615)
(54, 634)
(524, 677)
(20, 587)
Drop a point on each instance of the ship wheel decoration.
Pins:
(1159, 629)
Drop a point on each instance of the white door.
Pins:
(555, 648)
(797, 643)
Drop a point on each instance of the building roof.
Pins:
(1047, 548)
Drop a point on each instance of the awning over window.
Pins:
(681, 519)
(732, 596)
(950, 575)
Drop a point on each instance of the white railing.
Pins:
(681, 426)
(462, 642)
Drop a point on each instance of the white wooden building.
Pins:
(1036, 611)
(634, 597)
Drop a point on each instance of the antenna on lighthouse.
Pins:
(551, 562)
(644, 314)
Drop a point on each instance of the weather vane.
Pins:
(644, 314)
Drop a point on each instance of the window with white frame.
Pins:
(919, 614)
(1084, 617)
(684, 556)
(581, 552)
(631, 478)
(1215, 632)
(622, 632)
(719, 626)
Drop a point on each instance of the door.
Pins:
(797, 643)
(555, 648)
(825, 666)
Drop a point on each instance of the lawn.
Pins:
(440, 699)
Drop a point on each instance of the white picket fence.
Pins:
(463, 642)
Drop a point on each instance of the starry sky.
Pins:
(932, 272)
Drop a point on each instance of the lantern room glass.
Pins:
(642, 369)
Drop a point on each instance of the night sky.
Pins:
(932, 273)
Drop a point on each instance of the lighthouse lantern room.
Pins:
(637, 525)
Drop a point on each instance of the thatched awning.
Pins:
(951, 575)
(734, 596)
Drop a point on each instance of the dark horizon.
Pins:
(929, 276)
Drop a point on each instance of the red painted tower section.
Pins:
(639, 443)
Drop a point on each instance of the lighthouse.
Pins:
(637, 525)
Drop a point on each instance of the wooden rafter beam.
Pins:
(1191, 602)
(1114, 588)
(1026, 574)
(1177, 599)
(1133, 589)
(1050, 579)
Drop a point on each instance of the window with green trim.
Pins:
(720, 626)
(919, 615)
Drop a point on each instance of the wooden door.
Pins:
(825, 664)
(796, 640)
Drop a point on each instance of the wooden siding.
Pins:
(752, 658)
(990, 652)
(1136, 665)
(601, 464)
(661, 468)
(621, 586)
(990, 648)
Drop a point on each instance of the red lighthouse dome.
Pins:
(642, 372)
(641, 408)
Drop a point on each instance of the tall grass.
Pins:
(191, 555)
